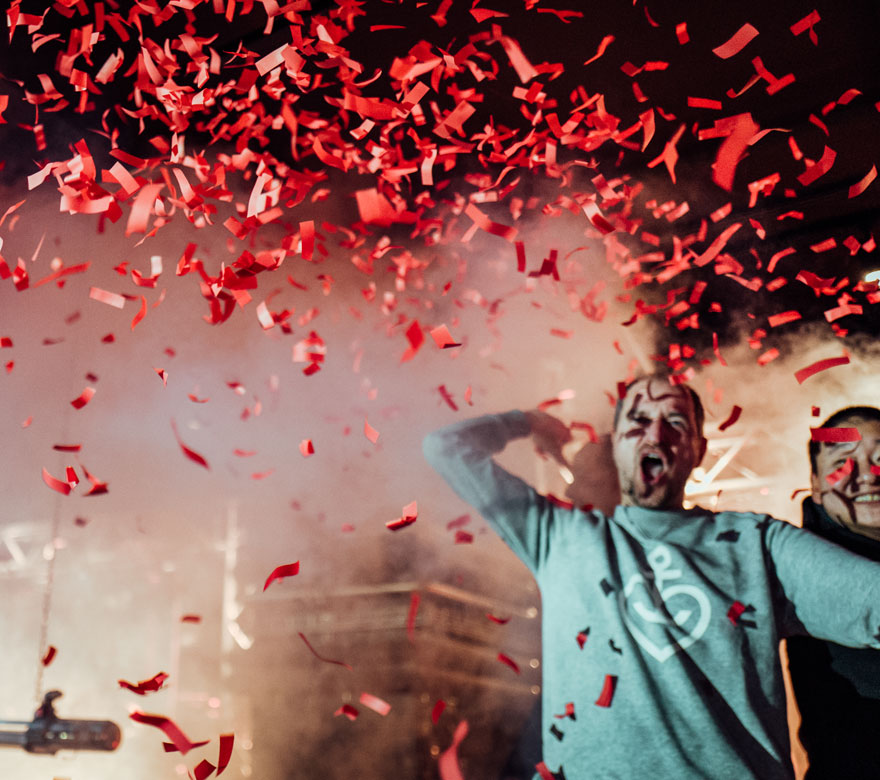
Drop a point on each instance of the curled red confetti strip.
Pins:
(170, 729)
(280, 572)
(49, 656)
(375, 703)
(835, 434)
(731, 419)
(144, 687)
(321, 657)
(607, 694)
(804, 374)
(505, 659)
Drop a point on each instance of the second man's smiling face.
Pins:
(846, 481)
(656, 444)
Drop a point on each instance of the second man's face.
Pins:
(846, 483)
(656, 444)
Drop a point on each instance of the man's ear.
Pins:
(701, 450)
(816, 488)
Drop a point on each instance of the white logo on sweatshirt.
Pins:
(664, 618)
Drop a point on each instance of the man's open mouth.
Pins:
(653, 467)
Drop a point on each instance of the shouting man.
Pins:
(838, 688)
(661, 625)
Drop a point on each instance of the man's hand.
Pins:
(549, 433)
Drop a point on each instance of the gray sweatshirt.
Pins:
(661, 629)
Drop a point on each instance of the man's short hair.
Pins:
(699, 412)
(841, 416)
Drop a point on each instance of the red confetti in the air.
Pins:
(820, 365)
(190, 618)
(67, 447)
(819, 168)
(375, 703)
(447, 396)
(226, 743)
(569, 711)
(768, 356)
(731, 151)
(280, 572)
(731, 419)
(603, 45)
(56, 484)
(416, 338)
(306, 448)
(414, 601)
(370, 432)
(807, 23)
(495, 619)
(775, 320)
(506, 659)
(321, 657)
(111, 299)
(447, 764)
(442, 338)
(737, 42)
(543, 771)
(735, 612)
(409, 516)
(859, 187)
(681, 33)
(835, 434)
(171, 730)
(142, 312)
(346, 709)
(84, 397)
(191, 454)
(49, 656)
(437, 710)
(203, 770)
(607, 694)
(144, 687)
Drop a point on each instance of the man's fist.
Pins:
(549, 433)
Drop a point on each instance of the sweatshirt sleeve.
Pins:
(831, 593)
(462, 454)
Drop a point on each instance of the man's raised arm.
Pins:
(462, 454)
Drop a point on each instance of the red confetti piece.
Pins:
(735, 612)
(819, 168)
(731, 151)
(144, 687)
(226, 743)
(862, 185)
(824, 246)
(731, 419)
(49, 656)
(569, 711)
(839, 474)
(5, 342)
(103, 296)
(495, 228)
(141, 313)
(203, 770)
(835, 434)
(775, 320)
(603, 45)
(171, 730)
(499, 620)
(463, 537)
(306, 448)
(370, 432)
(67, 447)
(448, 398)
(410, 515)
(447, 764)
(543, 772)
(437, 710)
(190, 618)
(191, 454)
(737, 42)
(770, 355)
(607, 694)
(414, 601)
(84, 397)
(319, 656)
(280, 572)
(163, 375)
(442, 338)
(681, 33)
(72, 479)
(56, 484)
(346, 709)
(695, 102)
(820, 365)
(375, 703)
(505, 659)
(807, 23)
(416, 338)
(171, 748)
